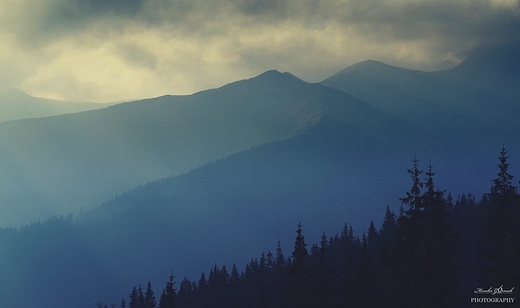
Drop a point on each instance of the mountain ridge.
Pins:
(15, 104)
(85, 158)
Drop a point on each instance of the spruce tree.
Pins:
(140, 298)
(186, 291)
(502, 229)
(296, 290)
(101, 304)
(280, 259)
(423, 257)
(168, 295)
(322, 279)
(412, 198)
(134, 299)
(374, 244)
(149, 297)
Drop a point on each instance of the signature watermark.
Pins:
(493, 292)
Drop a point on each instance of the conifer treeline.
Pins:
(434, 253)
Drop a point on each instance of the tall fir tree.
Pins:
(322, 284)
(134, 299)
(280, 259)
(296, 290)
(149, 297)
(168, 295)
(413, 196)
(424, 253)
(140, 297)
(502, 229)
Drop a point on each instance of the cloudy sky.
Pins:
(111, 50)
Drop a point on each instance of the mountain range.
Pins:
(16, 104)
(237, 167)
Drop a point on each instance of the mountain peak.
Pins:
(364, 65)
(275, 75)
(268, 80)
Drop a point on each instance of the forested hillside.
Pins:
(438, 251)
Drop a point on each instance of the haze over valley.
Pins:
(144, 138)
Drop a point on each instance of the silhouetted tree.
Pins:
(134, 299)
(280, 259)
(168, 295)
(374, 244)
(149, 297)
(425, 247)
(322, 279)
(502, 229)
(296, 290)
(101, 304)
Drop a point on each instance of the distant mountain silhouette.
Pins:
(224, 211)
(57, 164)
(16, 104)
(476, 101)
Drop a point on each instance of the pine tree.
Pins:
(412, 198)
(134, 299)
(374, 244)
(296, 290)
(322, 279)
(168, 295)
(149, 297)
(502, 228)
(140, 298)
(280, 259)
(202, 291)
(270, 263)
(186, 291)
(503, 189)
(425, 247)
(235, 287)
(101, 304)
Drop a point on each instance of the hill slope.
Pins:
(479, 99)
(58, 164)
(225, 211)
(16, 104)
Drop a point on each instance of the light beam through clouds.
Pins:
(95, 50)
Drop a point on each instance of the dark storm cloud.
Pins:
(44, 24)
(159, 42)
(84, 8)
(443, 20)
(261, 7)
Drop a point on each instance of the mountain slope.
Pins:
(478, 99)
(225, 211)
(15, 105)
(58, 164)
